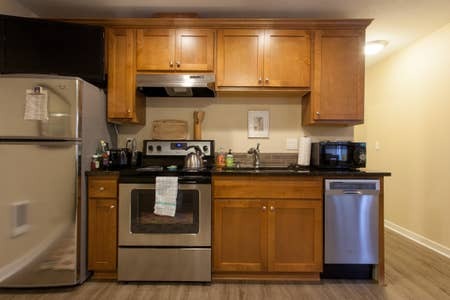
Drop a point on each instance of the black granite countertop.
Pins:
(271, 172)
(102, 173)
(291, 172)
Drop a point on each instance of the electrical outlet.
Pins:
(377, 146)
(291, 144)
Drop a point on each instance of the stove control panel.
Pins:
(177, 148)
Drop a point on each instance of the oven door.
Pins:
(139, 226)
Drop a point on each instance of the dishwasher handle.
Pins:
(352, 192)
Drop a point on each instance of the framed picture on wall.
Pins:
(258, 123)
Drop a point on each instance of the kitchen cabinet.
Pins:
(337, 93)
(181, 50)
(267, 227)
(125, 104)
(263, 58)
(102, 226)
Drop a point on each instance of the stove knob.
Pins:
(150, 148)
(158, 148)
(205, 148)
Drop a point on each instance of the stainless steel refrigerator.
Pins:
(49, 128)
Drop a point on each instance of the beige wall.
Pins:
(226, 121)
(408, 113)
(12, 7)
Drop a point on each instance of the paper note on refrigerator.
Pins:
(36, 104)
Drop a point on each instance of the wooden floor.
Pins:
(412, 272)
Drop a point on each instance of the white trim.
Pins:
(21, 262)
(432, 245)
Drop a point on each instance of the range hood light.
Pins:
(374, 47)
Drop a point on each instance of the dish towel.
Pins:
(166, 196)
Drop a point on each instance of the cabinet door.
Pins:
(287, 58)
(194, 50)
(239, 235)
(121, 73)
(102, 234)
(155, 49)
(295, 236)
(240, 57)
(338, 88)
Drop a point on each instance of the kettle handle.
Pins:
(197, 149)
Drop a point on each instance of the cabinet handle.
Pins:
(112, 206)
(260, 80)
(171, 64)
(272, 208)
(129, 110)
(318, 113)
(267, 79)
(101, 189)
(264, 208)
(178, 64)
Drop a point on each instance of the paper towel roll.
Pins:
(304, 151)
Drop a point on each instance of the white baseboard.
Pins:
(441, 249)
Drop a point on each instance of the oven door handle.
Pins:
(188, 182)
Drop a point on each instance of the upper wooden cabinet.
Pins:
(124, 103)
(182, 50)
(263, 58)
(337, 94)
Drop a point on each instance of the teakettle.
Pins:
(194, 160)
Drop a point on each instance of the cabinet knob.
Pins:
(264, 208)
(178, 64)
(101, 189)
(129, 110)
(259, 79)
(112, 206)
(317, 113)
(272, 208)
(267, 79)
(171, 64)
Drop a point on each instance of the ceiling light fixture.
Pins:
(373, 47)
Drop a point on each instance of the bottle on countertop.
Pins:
(229, 160)
(220, 158)
(95, 162)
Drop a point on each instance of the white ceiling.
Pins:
(398, 21)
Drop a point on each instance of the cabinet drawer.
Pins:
(102, 188)
(264, 187)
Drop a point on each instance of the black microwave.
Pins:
(338, 155)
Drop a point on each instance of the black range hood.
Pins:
(176, 85)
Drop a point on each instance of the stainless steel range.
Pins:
(154, 247)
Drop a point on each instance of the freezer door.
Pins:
(62, 107)
(39, 200)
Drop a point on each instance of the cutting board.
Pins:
(169, 130)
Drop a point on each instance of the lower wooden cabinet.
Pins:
(267, 238)
(102, 226)
(295, 236)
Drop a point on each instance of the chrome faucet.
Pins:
(256, 158)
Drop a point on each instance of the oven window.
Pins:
(143, 220)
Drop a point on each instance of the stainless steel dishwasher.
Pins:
(351, 221)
